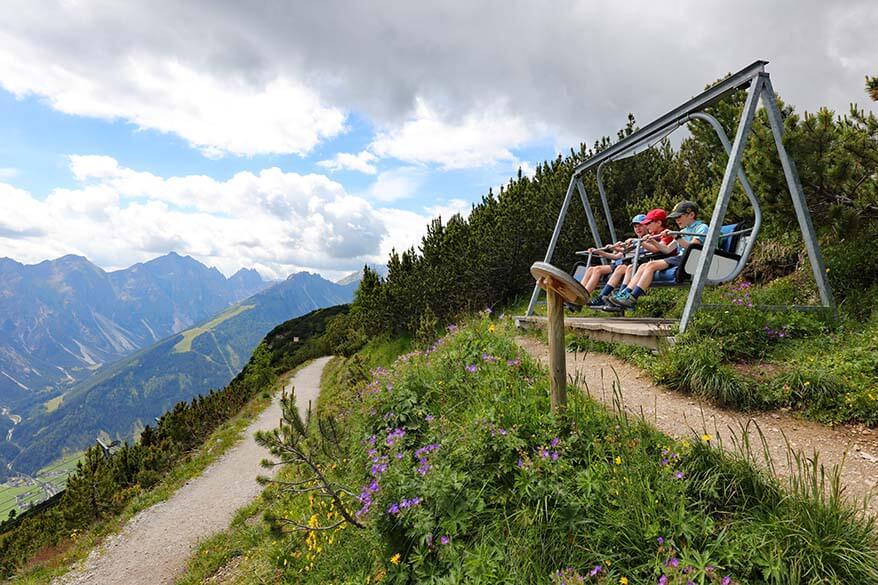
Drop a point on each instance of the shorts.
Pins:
(674, 261)
(618, 262)
(667, 275)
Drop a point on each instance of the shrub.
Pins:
(696, 366)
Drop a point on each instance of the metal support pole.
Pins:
(603, 193)
(799, 202)
(589, 214)
(554, 241)
(699, 279)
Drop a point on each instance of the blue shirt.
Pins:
(696, 227)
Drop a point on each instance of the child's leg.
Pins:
(594, 275)
(614, 280)
(645, 275)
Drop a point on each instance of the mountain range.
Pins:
(61, 319)
(119, 399)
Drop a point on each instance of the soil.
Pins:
(853, 448)
(155, 545)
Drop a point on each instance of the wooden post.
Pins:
(557, 351)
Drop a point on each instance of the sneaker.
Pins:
(611, 298)
(624, 300)
(572, 307)
(596, 303)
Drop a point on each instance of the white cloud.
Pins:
(276, 221)
(216, 114)
(396, 184)
(250, 78)
(362, 162)
(479, 138)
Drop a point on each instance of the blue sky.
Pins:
(317, 137)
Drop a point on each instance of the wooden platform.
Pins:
(645, 332)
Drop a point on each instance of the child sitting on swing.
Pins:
(685, 214)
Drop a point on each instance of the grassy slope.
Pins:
(511, 512)
(189, 335)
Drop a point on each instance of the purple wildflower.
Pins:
(472, 368)
(597, 569)
(393, 509)
(444, 540)
(663, 580)
(679, 475)
(726, 580)
(672, 562)
(554, 442)
(429, 418)
(452, 328)
(660, 540)
(513, 363)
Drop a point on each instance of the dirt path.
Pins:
(155, 545)
(681, 415)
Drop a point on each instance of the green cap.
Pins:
(682, 208)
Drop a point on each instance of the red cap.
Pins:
(655, 215)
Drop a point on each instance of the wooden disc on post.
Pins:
(552, 277)
(559, 286)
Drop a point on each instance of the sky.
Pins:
(287, 136)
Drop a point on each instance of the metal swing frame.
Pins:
(754, 76)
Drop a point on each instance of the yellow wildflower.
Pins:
(623, 580)
(706, 438)
(618, 460)
(395, 559)
(491, 328)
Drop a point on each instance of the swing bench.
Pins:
(726, 248)
(726, 264)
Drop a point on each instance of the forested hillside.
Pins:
(120, 399)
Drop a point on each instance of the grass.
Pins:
(78, 546)
(53, 404)
(508, 492)
(190, 335)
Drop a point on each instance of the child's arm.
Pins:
(663, 248)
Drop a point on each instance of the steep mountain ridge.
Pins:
(60, 319)
(121, 398)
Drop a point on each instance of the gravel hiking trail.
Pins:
(853, 448)
(154, 546)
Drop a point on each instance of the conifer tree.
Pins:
(89, 491)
